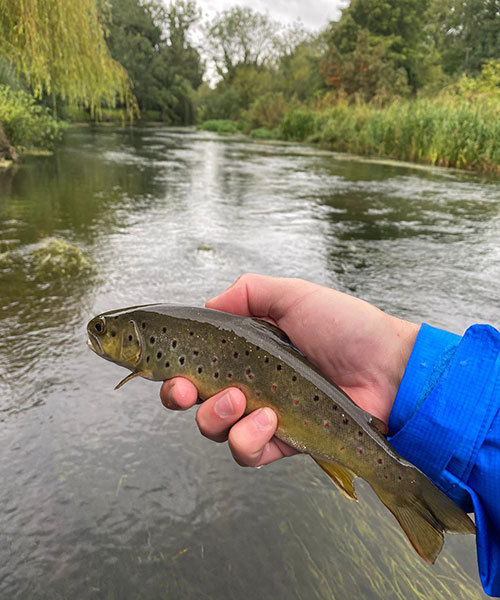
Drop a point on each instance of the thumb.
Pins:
(261, 296)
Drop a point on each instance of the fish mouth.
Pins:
(94, 344)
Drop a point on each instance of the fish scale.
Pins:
(216, 350)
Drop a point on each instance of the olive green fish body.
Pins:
(217, 350)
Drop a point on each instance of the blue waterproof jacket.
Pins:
(446, 421)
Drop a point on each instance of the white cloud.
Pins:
(314, 14)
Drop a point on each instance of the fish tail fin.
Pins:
(425, 515)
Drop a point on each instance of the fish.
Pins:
(217, 350)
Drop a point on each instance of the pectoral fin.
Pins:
(341, 477)
(128, 378)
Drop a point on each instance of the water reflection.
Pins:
(109, 495)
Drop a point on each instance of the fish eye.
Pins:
(100, 326)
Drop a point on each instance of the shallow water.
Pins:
(108, 495)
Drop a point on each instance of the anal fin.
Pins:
(341, 477)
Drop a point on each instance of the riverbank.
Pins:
(447, 131)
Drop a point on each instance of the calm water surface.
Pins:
(106, 494)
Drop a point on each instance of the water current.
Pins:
(108, 495)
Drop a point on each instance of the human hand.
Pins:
(356, 345)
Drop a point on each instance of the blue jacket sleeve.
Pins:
(446, 421)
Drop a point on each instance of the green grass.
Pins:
(445, 131)
(263, 133)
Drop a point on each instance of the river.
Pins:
(108, 495)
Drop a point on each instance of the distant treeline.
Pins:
(381, 61)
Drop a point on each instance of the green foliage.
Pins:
(263, 133)
(487, 83)
(25, 122)
(445, 131)
(222, 103)
(298, 125)
(240, 36)
(267, 111)
(394, 30)
(467, 33)
(220, 126)
(59, 47)
(151, 41)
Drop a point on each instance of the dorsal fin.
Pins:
(275, 332)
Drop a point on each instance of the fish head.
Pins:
(115, 338)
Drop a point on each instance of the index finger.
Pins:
(261, 296)
(178, 394)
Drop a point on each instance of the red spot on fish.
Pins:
(214, 359)
(248, 371)
(250, 377)
(257, 394)
(229, 375)
(274, 387)
(360, 451)
(326, 425)
(296, 402)
(305, 423)
(379, 460)
(342, 448)
(385, 477)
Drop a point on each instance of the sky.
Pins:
(314, 14)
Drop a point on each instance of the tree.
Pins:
(467, 33)
(152, 42)
(60, 48)
(240, 37)
(397, 26)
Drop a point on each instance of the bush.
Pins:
(267, 111)
(298, 125)
(263, 133)
(25, 122)
(220, 126)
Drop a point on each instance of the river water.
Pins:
(108, 495)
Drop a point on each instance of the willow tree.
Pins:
(59, 46)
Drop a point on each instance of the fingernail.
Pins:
(224, 407)
(262, 418)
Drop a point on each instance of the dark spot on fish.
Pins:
(147, 359)
(200, 370)
(379, 460)
(164, 330)
(360, 433)
(316, 398)
(98, 327)
(229, 375)
(181, 360)
(167, 364)
(216, 375)
(214, 359)
(151, 340)
(130, 338)
(257, 394)
(294, 378)
(113, 334)
(191, 333)
(334, 407)
(385, 477)
(274, 387)
(174, 343)
(247, 352)
(266, 360)
(248, 371)
(345, 421)
(235, 355)
(159, 355)
(223, 341)
(257, 348)
(278, 367)
(399, 477)
(196, 352)
(144, 325)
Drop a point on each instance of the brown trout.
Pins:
(217, 350)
